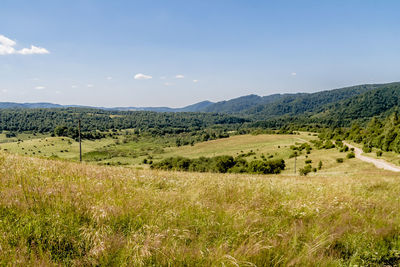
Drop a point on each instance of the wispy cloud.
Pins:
(168, 84)
(40, 87)
(74, 86)
(7, 48)
(4, 91)
(109, 78)
(179, 76)
(33, 50)
(293, 73)
(90, 85)
(141, 76)
(195, 81)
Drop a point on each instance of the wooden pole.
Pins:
(80, 143)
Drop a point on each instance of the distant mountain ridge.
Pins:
(361, 101)
(191, 108)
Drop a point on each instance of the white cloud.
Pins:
(109, 78)
(293, 73)
(179, 76)
(168, 84)
(141, 76)
(7, 48)
(33, 50)
(163, 77)
(4, 91)
(40, 87)
(74, 86)
(6, 41)
(90, 85)
(195, 81)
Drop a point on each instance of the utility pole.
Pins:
(80, 143)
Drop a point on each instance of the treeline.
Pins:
(73, 133)
(221, 164)
(46, 120)
(383, 134)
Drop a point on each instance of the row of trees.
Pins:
(221, 164)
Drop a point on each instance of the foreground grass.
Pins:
(54, 212)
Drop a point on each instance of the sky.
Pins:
(175, 53)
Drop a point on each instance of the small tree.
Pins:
(304, 171)
(350, 155)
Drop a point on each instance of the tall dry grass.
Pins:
(54, 212)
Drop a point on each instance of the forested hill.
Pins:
(46, 120)
(244, 103)
(6, 105)
(381, 101)
(288, 104)
(339, 107)
(265, 107)
(191, 108)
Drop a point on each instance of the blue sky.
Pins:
(89, 52)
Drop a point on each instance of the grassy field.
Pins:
(55, 212)
(46, 146)
(112, 151)
(132, 153)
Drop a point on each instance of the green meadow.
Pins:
(63, 213)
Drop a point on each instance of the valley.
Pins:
(203, 188)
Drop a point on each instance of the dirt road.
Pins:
(379, 163)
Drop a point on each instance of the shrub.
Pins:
(339, 160)
(350, 155)
(379, 153)
(11, 134)
(221, 164)
(339, 143)
(366, 149)
(308, 161)
(266, 167)
(328, 144)
(319, 165)
(304, 171)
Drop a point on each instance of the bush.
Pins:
(328, 144)
(319, 165)
(339, 143)
(266, 167)
(339, 160)
(350, 155)
(379, 153)
(308, 161)
(366, 149)
(221, 164)
(306, 170)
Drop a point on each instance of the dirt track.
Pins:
(379, 163)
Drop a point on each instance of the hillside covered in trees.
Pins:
(326, 109)
(46, 120)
